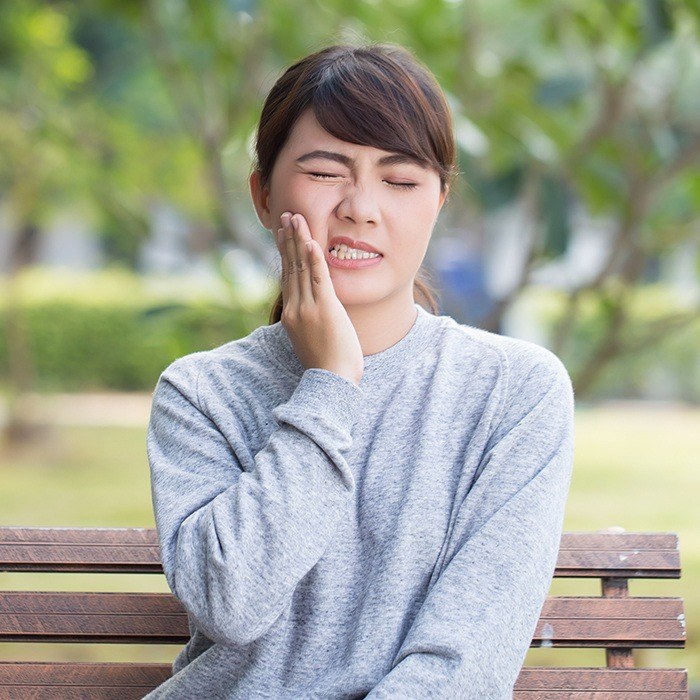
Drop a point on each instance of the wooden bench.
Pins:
(614, 621)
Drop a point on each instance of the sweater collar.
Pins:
(380, 364)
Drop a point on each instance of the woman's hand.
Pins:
(317, 324)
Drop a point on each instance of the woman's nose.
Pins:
(359, 204)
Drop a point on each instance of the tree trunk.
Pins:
(20, 428)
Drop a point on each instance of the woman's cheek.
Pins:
(316, 207)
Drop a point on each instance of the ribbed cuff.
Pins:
(324, 393)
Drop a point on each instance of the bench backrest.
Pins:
(614, 620)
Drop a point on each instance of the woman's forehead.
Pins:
(307, 135)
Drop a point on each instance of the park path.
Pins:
(128, 409)
(132, 409)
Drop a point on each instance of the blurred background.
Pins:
(128, 239)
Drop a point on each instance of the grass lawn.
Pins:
(636, 467)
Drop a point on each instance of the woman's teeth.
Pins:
(342, 252)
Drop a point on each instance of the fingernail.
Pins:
(295, 223)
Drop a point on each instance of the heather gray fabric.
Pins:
(392, 540)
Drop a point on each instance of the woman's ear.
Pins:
(261, 197)
(443, 197)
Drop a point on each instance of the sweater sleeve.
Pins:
(235, 543)
(473, 630)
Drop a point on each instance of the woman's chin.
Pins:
(354, 295)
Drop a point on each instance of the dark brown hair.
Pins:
(376, 95)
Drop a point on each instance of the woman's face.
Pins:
(391, 206)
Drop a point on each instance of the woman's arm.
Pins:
(234, 544)
(470, 636)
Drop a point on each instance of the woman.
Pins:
(363, 498)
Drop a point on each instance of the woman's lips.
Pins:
(349, 264)
(350, 243)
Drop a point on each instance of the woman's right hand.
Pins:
(317, 324)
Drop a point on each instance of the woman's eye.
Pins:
(323, 175)
(406, 185)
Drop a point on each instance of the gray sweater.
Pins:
(395, 539)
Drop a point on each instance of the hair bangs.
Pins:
(355, 103)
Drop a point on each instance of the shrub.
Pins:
(109, 331)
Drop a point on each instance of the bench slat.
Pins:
(597, 622)
(151, 618)
(124, 680)
(617, 623)
(160, 618)
(618, 564)
(619, 555)
(79, 681)
(141, 535)
(598, 695)
(98, 550)
(135, 550)
(533, 678)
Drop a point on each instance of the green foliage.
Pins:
(115, 330)
(124, 105)
(85, 124)
(120, 335)
(669, 366)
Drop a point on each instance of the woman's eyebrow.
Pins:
(393, 159)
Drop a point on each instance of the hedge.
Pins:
(108, 331)
(117, 330)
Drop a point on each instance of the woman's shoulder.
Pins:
(515, 358)
(236, 359)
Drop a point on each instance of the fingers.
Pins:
(281, 246)
(302, 234)
(319, 274)
(293, 263)
(304, 271)
(290, 276)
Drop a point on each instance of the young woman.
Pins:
(363, 498)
